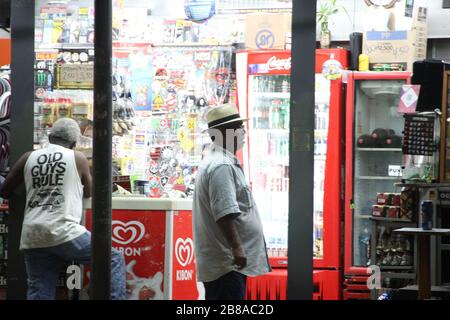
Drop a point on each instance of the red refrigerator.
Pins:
(371, 163)
(263, 80)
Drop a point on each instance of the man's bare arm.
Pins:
(84, 172)
(15, 177)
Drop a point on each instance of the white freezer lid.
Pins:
(141, 203)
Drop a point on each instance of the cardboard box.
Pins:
(268, 30)
(5, 52)
(400, 46)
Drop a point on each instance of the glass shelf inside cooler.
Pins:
(380, 149)
(396, 267)
(388, 220)
(377, 178)
(363, 216)
(279, 95)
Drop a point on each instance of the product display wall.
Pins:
(167, 71)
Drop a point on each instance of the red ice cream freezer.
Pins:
(155, 236)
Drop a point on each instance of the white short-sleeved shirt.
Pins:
(221, 189)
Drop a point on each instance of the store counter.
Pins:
(155, 236)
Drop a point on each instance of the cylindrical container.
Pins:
(355, 49)
(363, 62)
(426, 211)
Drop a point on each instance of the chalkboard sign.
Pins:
(75, 76)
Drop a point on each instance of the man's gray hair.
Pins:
(66, 129)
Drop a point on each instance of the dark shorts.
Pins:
(230, 286)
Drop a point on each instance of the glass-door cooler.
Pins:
(373, 158)
(268, 143)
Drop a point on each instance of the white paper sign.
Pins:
(395, 171)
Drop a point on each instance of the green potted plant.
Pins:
(326, 9)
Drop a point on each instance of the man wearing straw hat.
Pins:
(229, 243)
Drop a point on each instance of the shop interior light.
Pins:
(58, 2)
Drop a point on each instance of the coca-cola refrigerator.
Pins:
(263, 80)
(373, 165)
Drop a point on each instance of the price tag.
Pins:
(395, 171)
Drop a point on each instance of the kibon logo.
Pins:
(184, 251)
(127, 232)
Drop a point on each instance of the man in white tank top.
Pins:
(56, 180)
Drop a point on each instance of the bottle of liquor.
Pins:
(379, 135)
(393, 142)
(365, 141)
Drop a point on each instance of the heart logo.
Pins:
(129, 232)
(184, 251)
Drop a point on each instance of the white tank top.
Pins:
(53, 210)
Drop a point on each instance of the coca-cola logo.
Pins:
(127, 232)
(184, 251)
(278, 64)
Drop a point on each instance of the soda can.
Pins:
(426, 209)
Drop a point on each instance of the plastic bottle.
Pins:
(363, 60)
(271, 85)
(48, 116)
(284, 86)
(64, 108)
(276, 117)
(256, 84)
(282, 116)
(262, 84)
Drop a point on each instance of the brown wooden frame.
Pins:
(444, 127)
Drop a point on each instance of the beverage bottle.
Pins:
(49, 81)
(284, 85)
(287, 106)
(286, 147)
(276, 120)
(365, 141)
(271, 86)
(64, 108)
(278, 87)
(288, 112)
(393, 142)
(256, 84)
(379, 135)
(316, 117)
(48, 113)
(283, 116)
(273, 81)
(271, 117)
(315, 143)
(324, 145)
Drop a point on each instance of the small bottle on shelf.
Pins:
(48, 113)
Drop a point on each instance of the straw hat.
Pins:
(223, 114)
